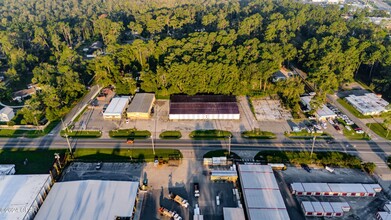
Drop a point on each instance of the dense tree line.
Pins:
(222, 47)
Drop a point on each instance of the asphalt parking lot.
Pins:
(364, 208)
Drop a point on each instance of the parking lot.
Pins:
(363, 208)
(270, 110)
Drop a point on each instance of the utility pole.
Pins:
(229, 145)
(69, 144)
(313, 144)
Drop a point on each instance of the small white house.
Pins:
(6, 114)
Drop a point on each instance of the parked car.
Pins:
(98, 166)
(306, 168)
(129, 141)
(337, 127)
(330, 141)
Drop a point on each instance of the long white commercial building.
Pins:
(22, 195)
(327, 209)
(90, 199)
(262, 197)
(116, 108)
(368, 104)
(335, 189)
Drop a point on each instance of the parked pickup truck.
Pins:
(180, 200)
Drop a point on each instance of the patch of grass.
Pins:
(210, 134)
(337, 159)
(220, 153)
(380, 130)
(352, 135)
(9, 133)
(82, 133)
(39, 161)
(130, 133)
(170, 135)
(351, 109)
(124, 154)
(306, 135)
(258, 134)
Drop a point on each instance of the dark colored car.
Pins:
(306, 168)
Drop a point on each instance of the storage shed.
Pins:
(335, 189)
(203, 107)
(141, 106)
(327, 209)
(6, 114)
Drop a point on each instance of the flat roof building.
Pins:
(89, 199)
(141, 106)
(233, 213)
(7, 169)
(368, 104)
(116, 108)
(261, 194)
(203, 107)
(22, 195)
(328, 209)
(323, 113)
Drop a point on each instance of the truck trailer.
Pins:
(180, 200)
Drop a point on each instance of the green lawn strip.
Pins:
(130, 133)
(352, 135)
(351, 109)
(79, 115)
(210, 134)
(7, 133)
(220, 153)
(39, 161)
(336, 159)
(170, 135)
(258, 134)
(82, 133)
(306, 135)
(123, 154)
(379, 130)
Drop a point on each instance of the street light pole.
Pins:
(69, 144)
(313, 144)
(229, 145)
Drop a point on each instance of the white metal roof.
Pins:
(7, 169)
(325, 112)
(233, 213)
(375, 187)
(224, 173)
(317, 207)
(117, 106)
(255, 168)
(261, 181)
(275, 214)
(337, 206)
(18, 192)
(89, 199)
(297, 187)
(307, 206)
(6, 110)
(316, 187)
(346, 187)
(368, 103)
(368, 188)
(384, 215)
(327, 207)
(260, 198)
(141, 102)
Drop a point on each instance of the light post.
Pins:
(229, 145)
(312, 148)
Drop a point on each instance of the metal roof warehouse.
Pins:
(141, 106)
(183, 107)
(335, 189)
(116, 107)
(89, 199)
(22, 195)
(262, 197)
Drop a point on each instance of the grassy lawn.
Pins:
(257, 134)
(170, 135)
(39, 161)
(306, 135)
(7, 133)
(209, 134)
(123, 154)
(81, 134)
(220, 153)
(130, 133)
(351, 109)
(337, 159)
(379, 130)
(352, 135)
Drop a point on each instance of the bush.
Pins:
(210, 134)
(369, 167)
(258, 134)
(11, 123)
(170, 135)
(130, 133)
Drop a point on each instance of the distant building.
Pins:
(22, 195)
(327, 209)
(90, 199)
(282, 74)
(203, 107)
(335, 189)
(116, 108)
(141, 106)
(368, 104)
(329, 1)
(323, 113)
(6, 114)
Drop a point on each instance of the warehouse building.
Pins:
(335, 189)
(322, 114)
(233, 213)
(90, 199)
(116, 108)
(386, 214)
(203, 107)
(22, 195)
(262, 197)
(327, 209)
(368, 104)
(141, 106)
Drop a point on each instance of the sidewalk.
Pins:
(139, 206)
